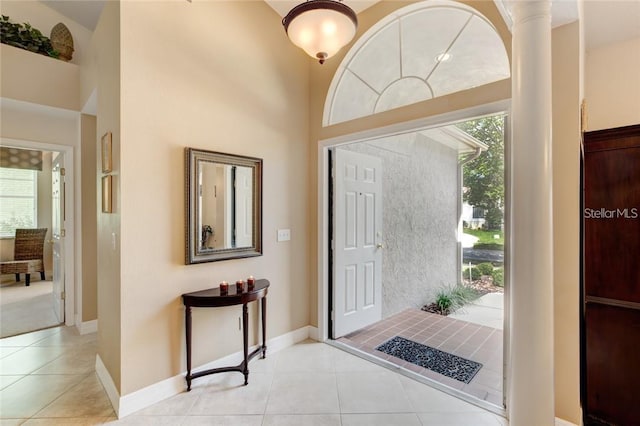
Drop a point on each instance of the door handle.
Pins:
(380, 245)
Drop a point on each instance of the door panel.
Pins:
(612, 364)
(57, 233)
(611, 277)
(357, 265)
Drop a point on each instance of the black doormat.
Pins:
(436, 360)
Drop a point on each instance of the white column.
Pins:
(531, 378)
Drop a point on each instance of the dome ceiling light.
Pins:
(321, 27)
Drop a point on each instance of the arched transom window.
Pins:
(419, 52)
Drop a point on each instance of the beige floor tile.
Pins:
(426, 399)
(180, 403)
(148, 421)
(391, 419)
(8, 380)
(29, 395)
(68, 336)
(8, 350)
(29, 359)
(303, 393)
(226, 394)
(77, 421)
(94, 401)
(75, 361)
(28, 339)
(11, 422)
(371, 393)
(459, 419)
(306, 357)
(223, 421)
(301, 419)
(346, 362)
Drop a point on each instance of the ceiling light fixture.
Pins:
(321, 27)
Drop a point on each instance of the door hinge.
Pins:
(333, 316)
(62, 296)
(63, 233)
(63, 171)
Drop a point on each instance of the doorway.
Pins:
(49, 302)
(425, 159)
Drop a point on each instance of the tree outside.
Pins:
(483, 178)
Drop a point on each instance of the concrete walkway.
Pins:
(487, 310)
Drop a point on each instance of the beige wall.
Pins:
(88, 255)
(612, 86)
(106, 41)
(566, 211)
(194, 88)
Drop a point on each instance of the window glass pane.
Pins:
(18, 200)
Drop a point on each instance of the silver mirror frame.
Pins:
(192, 157)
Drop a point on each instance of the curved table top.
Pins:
(211, 298)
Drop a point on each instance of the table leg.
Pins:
(187, 322)
(264, 327)
(245, 341)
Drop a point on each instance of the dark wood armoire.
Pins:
(610, 323)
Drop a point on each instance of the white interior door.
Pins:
(58, 233)
(357, 242)
(244, 206)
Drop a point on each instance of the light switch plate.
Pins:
(284, 235)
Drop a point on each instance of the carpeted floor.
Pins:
(24, 309)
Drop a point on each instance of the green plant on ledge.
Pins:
(24, 36)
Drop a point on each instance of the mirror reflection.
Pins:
(223, 206)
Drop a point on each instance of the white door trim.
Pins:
(323, 185)
(70, 236)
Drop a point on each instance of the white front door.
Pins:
(57, 233)
(244, 206)
(357, 241)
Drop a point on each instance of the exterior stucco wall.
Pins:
(419, 206)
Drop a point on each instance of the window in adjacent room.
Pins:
(18, 200)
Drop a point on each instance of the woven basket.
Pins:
(62, 41)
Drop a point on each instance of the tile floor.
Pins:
(47, 377)
(471, 341)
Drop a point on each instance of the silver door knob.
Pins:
(380, 245)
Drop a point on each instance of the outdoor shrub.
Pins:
(449, 299)
(444, 301)
(498, 277)
(475, 273)
(462, 295)
(485, 268)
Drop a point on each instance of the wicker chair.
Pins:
(27, 254)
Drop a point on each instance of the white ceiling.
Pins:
(606, 21)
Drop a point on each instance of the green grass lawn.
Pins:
(486, 238)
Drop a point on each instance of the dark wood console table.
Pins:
(212, 298)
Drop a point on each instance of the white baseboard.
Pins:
(560, 422)
(313, 333)
(87, 326)
(167, 388)
(107, 383)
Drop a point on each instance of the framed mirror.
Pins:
(223, 206)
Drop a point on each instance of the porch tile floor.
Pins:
(476, 342)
